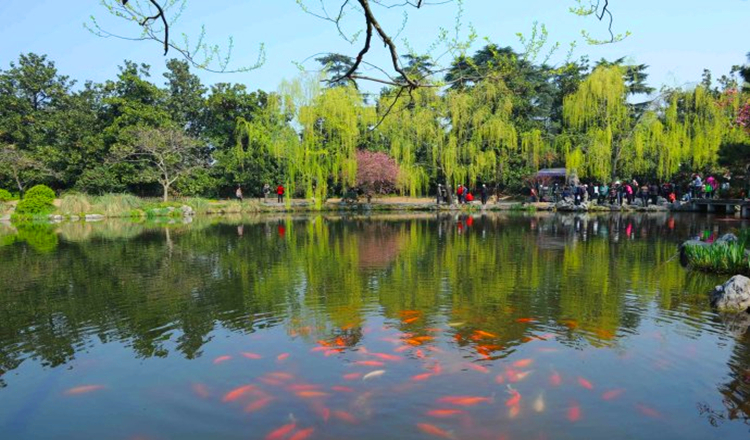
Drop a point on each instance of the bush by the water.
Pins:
(37, 200)
(5, 196)
(724, 257)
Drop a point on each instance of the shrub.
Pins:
(44, 193)
(5, 196)
(33, 205)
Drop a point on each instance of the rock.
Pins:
(734, 295)
(736, 324)
(690, 243)
(638, 203)
(94, 217)
(661, 201)
(187, 211)
(56, 218)
(74, 218)
(727, 238)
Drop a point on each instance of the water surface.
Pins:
(410, 327)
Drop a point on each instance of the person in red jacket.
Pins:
(280, 193)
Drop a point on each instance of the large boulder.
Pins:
(727, 239)
(734, 295)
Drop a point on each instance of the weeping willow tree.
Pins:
(412, 132)
(598, 122)
(314, 132)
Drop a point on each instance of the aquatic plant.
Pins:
(720, 257)
(75, 204)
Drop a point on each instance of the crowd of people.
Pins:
(619, 192)
(280, 191)
(463, 194)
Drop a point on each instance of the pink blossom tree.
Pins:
(377, 173)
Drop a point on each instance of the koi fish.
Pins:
(423, 338)
(369, 363)
(411, 320)
(480, 368)
(515, 397)
(84, 390)
(311, 394)
(585, 383)
(574, 413)
(433, 430)
(484, 334)
(437, 368)
(352, 376)
(221, 359)
(456, 324)
(523, 363)
(302, 387)
(648, 412)
(555, 380)
(613, 394)
(525, 320)
(237, 393)
(514, 411)
(258, 404)
(373, 374)
(539, 404)
(419, 354)
(282, 432)
(282, 357)
(401, 349)
(464, 400)
(253, 356)
(522, 375)
(281, 376)
(341, 389)
(387, 357)
(201, 390)
(302, 434)
(321, 348)
(500, 379)
(421, 377)
(323, 412)
(445, 413)
(345, 416)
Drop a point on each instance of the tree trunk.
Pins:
(166, 191)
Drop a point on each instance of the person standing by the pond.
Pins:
(266, 191)
(238, 193)
(484, 194)
(280, 193)
(439, 194)
(460, 193)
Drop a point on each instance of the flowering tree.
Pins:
(377, 173)
(744, 117)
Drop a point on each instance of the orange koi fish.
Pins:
(387, 357)
(433, 430)
(613, 394)
(321, 348)
(352, 376)
(421, 377)
(282, 357)
(445, 413)
(464, 400)
(84, 390)
(648, 412)
(340, 342)
(525, 320)
(340, 389)
(512, 375)
(514, 411)
(585, 383)
(437, 368)
(484, 334)
(500, 379)
(302, 434)
(423, 338)
(480, 368)
(555, 380)
(369, 363)
(411, 320)
(281, 376)
(345, 416)
(201, 391)
(282, 432)
(253, 356)
(419, 354)
(258, 404)
(515, 398)
(302, 387)
(574, 412)
(271, 381)
(401, 349)
(237, 393)
(523, 363)
(332, 351)
(221, 359)
(311, 394)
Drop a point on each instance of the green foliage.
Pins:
(5, 195)
(719, 258)
(42, 192)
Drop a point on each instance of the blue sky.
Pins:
(676, 38)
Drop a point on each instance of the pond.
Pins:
(535, 326)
